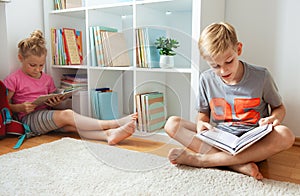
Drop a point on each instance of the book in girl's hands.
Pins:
(233, 144)
(65, 93)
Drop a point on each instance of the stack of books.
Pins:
(108, 47)
(105, 104)
(66, 46)
(147, 55)
(74, 81)
(151, 111)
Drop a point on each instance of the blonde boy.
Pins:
(235, 96)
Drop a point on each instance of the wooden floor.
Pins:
(284, 166)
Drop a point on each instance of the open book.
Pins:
(233, 144)
(65, 93)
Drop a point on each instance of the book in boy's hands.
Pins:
(231, 143)
(65, 93)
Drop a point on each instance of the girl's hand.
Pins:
(201, 126)
(269, 120)
(27, 107)
(53, 101)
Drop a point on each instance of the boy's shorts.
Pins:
(40, 122)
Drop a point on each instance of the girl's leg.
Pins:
(113, 131)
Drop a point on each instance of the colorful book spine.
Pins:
(155, 111)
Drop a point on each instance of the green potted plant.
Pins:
(165, 47)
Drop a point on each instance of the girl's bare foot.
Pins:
(126, 119)
(116, 135)
(250, 169)
(181, 156)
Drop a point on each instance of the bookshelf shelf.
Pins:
(180, 19)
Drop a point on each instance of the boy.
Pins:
(235, 96)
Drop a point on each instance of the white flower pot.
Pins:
(166, 61)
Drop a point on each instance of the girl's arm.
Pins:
(26, 107)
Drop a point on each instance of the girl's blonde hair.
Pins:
(33, 45)
(216, 38)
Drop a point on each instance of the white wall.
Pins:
(17, 20)
(270, 31)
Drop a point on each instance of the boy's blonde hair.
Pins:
(216, 39)
(33, 45)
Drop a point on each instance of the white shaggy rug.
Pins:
(75, 167)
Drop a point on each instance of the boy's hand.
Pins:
(269, 120)
(201, 126)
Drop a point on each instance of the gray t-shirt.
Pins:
(238, 108)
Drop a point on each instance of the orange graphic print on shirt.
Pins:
(242, 109)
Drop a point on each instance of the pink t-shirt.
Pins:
(27, 89)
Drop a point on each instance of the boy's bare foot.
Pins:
(181, 156)
(250, 169)
(116, 135)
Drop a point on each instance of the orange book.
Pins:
(71, 47)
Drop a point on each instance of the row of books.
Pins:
(147, 55)
(105, 104)
(151, 111)
(66, 46)
(108, 47)
(66, 4)
(74, 81)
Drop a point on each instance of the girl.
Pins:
(29, 82)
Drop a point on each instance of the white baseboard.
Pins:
(156, 136)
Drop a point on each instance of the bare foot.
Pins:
(116, 135)
(250, 169)
(126, 119)
(181, 156)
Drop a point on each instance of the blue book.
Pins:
(108, 105)
(152, 53)
(92, 47)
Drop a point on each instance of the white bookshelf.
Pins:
(184, 22)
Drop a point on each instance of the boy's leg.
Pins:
(281, 138)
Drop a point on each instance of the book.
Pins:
(108, 105)
(152, 53)
(115, 46)
(233, 144)
(151, 111)
(155, 111)
(92, 47)
(64, 93)
(71, 47)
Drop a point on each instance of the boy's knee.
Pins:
(288, 137)
(172, 125)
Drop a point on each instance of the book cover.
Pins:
(155, 111)
(117, 50)
(233, 144)
(108, 105)
(152, 53)
(65, 93)
(71, 47)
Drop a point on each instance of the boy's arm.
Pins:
(23, 107)
(203, 122)
(276, 117)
